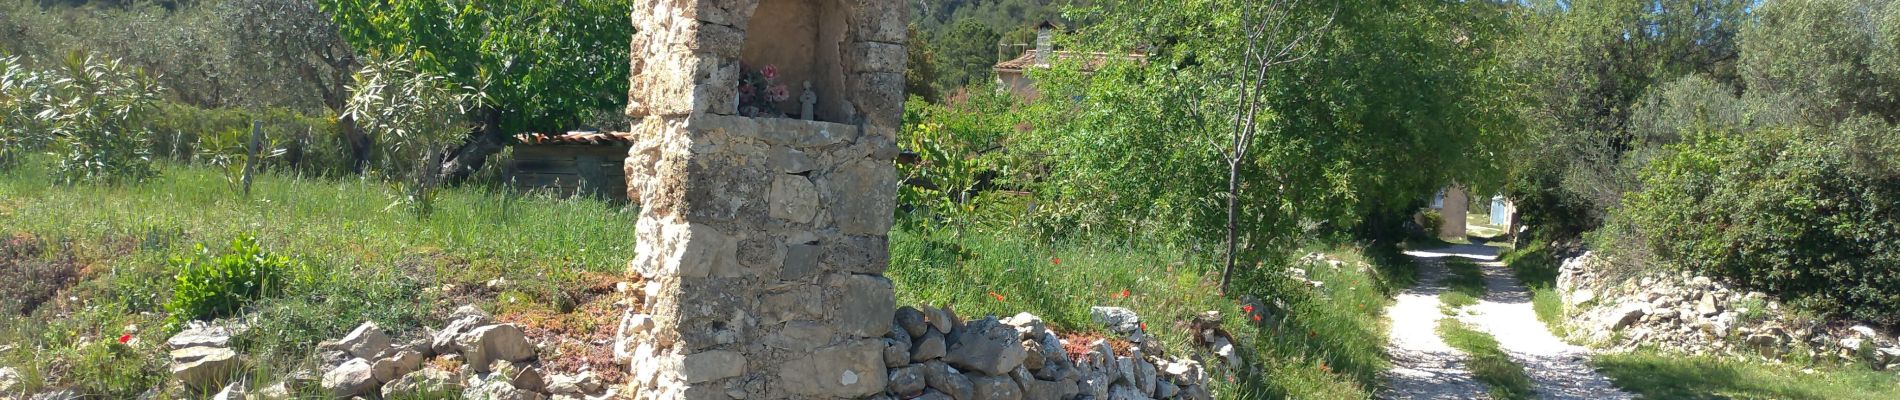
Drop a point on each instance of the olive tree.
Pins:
(542, 64)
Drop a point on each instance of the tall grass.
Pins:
(367, 258)
(1669, 376)
(1326, 344)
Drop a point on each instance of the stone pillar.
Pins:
(1457, 205)
(762, 241)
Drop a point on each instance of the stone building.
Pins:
(1013, 75)
(762, 241)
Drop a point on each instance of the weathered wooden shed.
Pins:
(574, 163)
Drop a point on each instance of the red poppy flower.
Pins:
(1144, 326)
(1256, 317)
(1248, 308)
(997, 296)
(1124, 294)
(125, 338)
(1055, 260)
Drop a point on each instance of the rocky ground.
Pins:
(1686, 313)
(930, 353)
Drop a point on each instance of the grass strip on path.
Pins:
(1488, 363)
(1465, 286)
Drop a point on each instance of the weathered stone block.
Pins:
(861, 305)
(850, 370)
(707, 366)
(862, 195)
(794, 199)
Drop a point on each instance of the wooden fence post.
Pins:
(250, 160)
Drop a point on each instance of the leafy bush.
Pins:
(417, 115)
(19, 130)
(92, 107)
(1430, 221)
(1810, 216)
(209, 287)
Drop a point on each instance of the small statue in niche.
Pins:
(806, 101)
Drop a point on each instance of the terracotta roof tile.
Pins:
(576, 138)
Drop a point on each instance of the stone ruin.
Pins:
(762, 241)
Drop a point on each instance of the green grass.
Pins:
(1669, 376)
(1464, 286)
(1537, 268)
(1488, 364)
(367, 260)
(1328, 344)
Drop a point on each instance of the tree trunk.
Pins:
(485, 141)
(1233, 222)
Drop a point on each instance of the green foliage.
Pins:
(1431, 222)
(1399, 108)
(417, 114)
(296, 143)
(541, 63)
(1812, 216)
(211, 287)
(1825, 57)
(959, 160)
(92, 108)
(19, 109)
(1589, 66)
(920, 67)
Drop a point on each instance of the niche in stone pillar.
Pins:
(799, 41)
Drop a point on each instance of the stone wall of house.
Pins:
(761, 241)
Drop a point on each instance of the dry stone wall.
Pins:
(1683, 312)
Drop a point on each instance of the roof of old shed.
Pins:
(1090, 61)
(576, 138)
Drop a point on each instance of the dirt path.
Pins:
(1423, 366)
(1559, 370)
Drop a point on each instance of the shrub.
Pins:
(1810, 216)
(210, 287)
(1430, 221)
(92, 108)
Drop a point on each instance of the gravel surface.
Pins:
(1424, 367)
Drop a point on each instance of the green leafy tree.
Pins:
(920, 67)
(1826, 57)
(966, 54)
(1410, 96)
(542, 63)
